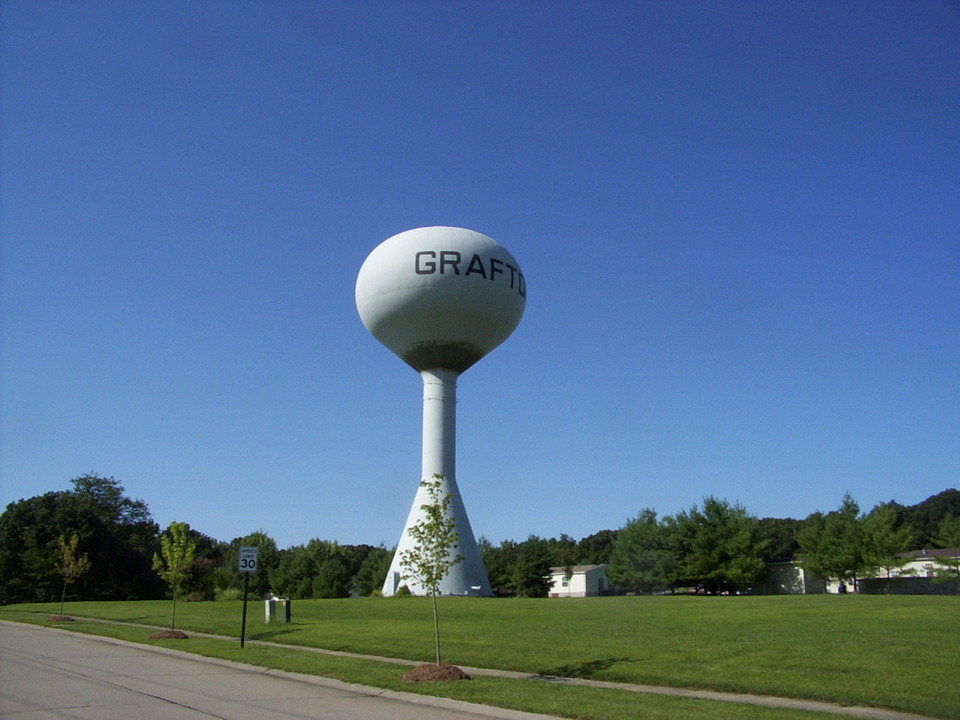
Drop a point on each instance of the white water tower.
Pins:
(441, 298)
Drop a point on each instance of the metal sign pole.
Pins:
(247, 565)
(243, 625)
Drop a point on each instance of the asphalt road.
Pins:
(52, 674)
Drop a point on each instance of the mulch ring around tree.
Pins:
(59, 618)
(431, 672)
(169, 635)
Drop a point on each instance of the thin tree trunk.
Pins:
(63, 596)
(436, 625)
(173, 620)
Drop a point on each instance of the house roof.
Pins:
(929, 553)
(577, 569)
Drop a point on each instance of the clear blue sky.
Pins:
(739, 223)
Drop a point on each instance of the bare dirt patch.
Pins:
(60, 618)
(169, 635)
(431, 672)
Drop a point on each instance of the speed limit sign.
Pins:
(248, 559)
(248, 564)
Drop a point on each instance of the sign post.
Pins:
(248, 564)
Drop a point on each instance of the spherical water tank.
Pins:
(441, 297)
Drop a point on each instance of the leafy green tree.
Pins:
(107, 495)
(177, 552)
(373, 572)
(202, 578)
(530, 571)
(353, 557)
(122, 540)
(640, 559)
(298, 567)
(499, 561)
(295, 572)
(323, 550)
(948, 537)
(780, 536)
(70, 565)
(224, 583)
(435, 539)
(925, 517)
(118, 534)
(28, 533)
(883, 541)
(524, 568)
(333, 580)
(268, 560)
(595, 549)
(564, 552)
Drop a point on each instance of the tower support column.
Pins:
(467, 577)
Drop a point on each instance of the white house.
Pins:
(922, 563)
(788, 578)
(579, 581)
(917, 576)
(914, 577)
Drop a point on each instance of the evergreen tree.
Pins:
(948, 537)
(831, 545)
(883, 541)
(811, 552)
(640, 559)
(719, 545)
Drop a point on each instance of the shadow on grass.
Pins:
(270, 635)
(584, 670)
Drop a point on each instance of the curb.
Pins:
(489, 710)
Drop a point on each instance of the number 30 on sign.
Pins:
(248, 559)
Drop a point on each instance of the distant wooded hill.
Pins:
(924, 519)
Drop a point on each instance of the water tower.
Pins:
(441, 298)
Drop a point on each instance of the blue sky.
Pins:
(739, 223)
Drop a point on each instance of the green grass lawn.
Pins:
(897, 652)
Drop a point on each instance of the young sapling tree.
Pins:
(434, 552)
(70, 566)
(178, 551)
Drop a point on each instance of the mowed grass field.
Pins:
(895, 652)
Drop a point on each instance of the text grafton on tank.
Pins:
(441, 298)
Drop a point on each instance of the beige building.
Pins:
(788, 578)
(922, 563)
(579, 581)
(914, 577)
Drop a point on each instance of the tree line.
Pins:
(715, 545)
(118, 542)
(719, 547)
